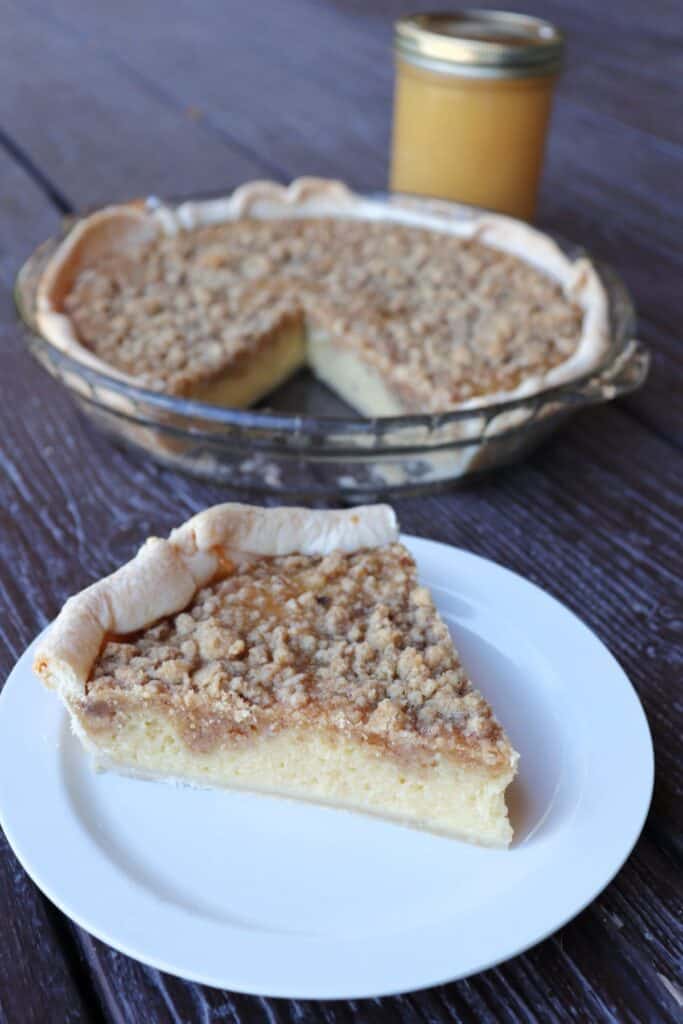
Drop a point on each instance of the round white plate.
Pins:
(276, 898)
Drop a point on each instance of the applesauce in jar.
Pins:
(472, 104)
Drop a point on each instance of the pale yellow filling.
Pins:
(311, 764)
(349, 377)
(272, 366)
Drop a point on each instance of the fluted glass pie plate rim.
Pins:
(507, 428)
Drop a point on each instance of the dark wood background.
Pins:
(104, 102)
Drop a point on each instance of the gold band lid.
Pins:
(480, 41)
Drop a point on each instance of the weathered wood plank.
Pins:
(604, 48)
(39, 981)
(92, 130)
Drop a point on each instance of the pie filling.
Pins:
(394, 318)
(318, 767)
(280, 356)
(330, 678)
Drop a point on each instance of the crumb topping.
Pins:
(442, 319)
(350, 641)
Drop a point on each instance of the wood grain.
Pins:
(101, 138)
(126, 100)
(39, 979)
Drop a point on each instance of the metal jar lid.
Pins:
(495, 44)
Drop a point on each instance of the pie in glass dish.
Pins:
(399, 307)
(284, 651)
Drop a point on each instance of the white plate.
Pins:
(277, 898)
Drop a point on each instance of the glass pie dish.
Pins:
(305, 442)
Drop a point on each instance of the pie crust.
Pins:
(382, 358)
(287, 651)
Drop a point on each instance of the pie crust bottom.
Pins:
(316, 765)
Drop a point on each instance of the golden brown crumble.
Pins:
(440, 318)
(349, 641)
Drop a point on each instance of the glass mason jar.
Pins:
(471, 107)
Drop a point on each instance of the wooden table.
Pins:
(103, 102)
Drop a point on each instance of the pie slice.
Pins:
(285, 651)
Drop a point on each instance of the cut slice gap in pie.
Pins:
(284, 651)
